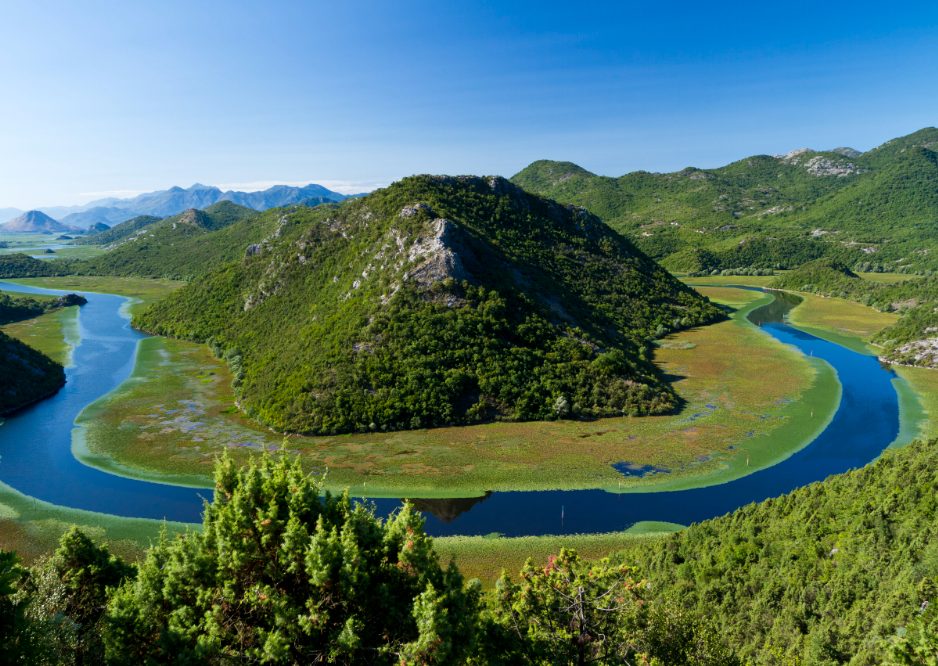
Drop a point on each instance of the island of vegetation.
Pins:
(27, 375)
(435, 301)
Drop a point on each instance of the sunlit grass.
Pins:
(54, 333)
(32, 527)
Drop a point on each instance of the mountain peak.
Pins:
(544, 310)
(34, 221)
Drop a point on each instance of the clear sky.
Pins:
(105, 98)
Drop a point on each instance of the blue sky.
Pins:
(98, 98)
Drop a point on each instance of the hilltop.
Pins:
(872, 211)
(437, 300)
(179, 246)
(34, 221)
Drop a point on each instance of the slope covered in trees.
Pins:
(875, 210)
(26, 375)
(435, 301)
(117, 233)
(827, 574)
(180, 246)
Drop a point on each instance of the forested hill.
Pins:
(26, 375)
(828, 574)
(437, 300)
(873, 210)
(181, 246)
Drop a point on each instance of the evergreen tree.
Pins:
(285, 574)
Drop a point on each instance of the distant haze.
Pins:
(111, 211)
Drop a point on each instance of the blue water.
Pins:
(36, 444)
(36, 459)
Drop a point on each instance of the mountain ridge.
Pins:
(34, 221)
(874, 210)
(175, 199)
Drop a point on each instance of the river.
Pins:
(36, 447)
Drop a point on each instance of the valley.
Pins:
(564, 391)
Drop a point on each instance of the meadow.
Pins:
(37, 244)
(172, 419)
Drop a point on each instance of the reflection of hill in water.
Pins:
(448, 509)
(776, 310)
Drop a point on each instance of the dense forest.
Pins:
(840, 571)
(17, 308)
(870, 211)
(26, 375)
(435, 301)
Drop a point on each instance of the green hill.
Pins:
(876, 210)
(913, 340)
(437, 300)
(19, 308)
(119, 232)
(26, 375)
(823, 575)
(22, 265)
(179, 247)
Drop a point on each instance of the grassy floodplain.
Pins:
(55, 333)
(140, 291)
(486, 558)
(33, 527)
(36, 244)
(841, 321)
(138, 428)
(177, 413)
(853, 325)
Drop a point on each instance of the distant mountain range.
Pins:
(162, 203)
(34, 221)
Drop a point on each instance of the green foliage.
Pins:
(436, 301)
(68, 595)
(22, 265)
(26, 375)
(576, 612)
(178, 247)
(119, 232)
(840, 571)
(878, 208)
(16, 639)
(822, 575)
(917, 644)
(19, 308)
(284, 574)
(916, 300)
